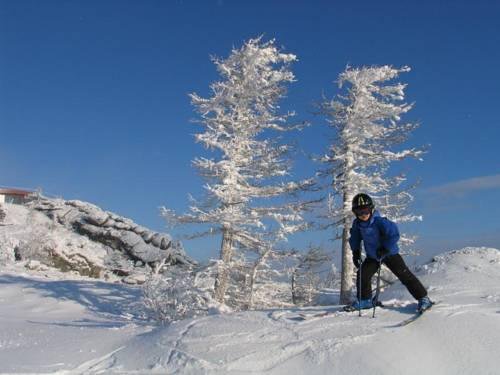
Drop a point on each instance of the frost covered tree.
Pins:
(248, 164)
(368, 128)
(305, 279)
(269, 279)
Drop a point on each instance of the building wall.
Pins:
(15, 199)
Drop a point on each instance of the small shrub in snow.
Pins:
(8, 249)
(176, 296)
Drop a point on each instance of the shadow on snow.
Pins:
(120, 303)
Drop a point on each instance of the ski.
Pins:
(414, 317)
(305, 316)
(351, 308)
(335, 311)
(411, 319)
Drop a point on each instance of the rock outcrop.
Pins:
(81, 238)
(120, 234)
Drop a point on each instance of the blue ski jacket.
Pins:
(378, 233)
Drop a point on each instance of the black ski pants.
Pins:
(398, 267)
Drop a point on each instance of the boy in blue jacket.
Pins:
(380, 237)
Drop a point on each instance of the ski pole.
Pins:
(375, 302)
(359, 288)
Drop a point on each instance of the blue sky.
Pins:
(94, 98)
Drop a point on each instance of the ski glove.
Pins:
(382, 252)
(356, 258)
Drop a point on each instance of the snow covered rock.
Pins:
(117, 232)
(136, 279)
(75, 236)
(32, 236)
(35, 265)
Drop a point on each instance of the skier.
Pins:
(380, 237)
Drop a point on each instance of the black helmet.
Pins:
(362, 200)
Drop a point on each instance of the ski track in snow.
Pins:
(90, 366)
(177, 342)
(179, 358)
(266, 348)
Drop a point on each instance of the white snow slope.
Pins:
(90, 327)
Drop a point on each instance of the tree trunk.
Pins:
(226, 253)
(294, 288)
(256, 265)
(346, 282)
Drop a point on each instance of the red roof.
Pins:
(7, 191)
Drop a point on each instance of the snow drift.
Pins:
(86, 326)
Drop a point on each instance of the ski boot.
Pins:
(360, 304)
(424, 304)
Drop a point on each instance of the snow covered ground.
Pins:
(48, 323)
(73, 326)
